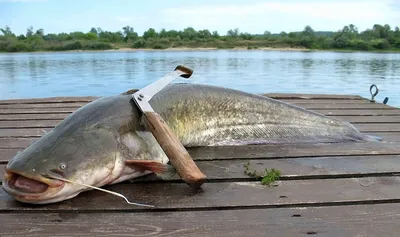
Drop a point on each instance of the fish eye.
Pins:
(63, 166)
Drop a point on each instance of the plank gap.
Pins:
(216, 208)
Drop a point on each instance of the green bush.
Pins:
(138, 44)
(327, 43)
(306, 42)
(177, 44)
(158, 46)
(18, 47)
(246, 36)
(222, 46)
(289, 41)
(97, 46)
(3, 46)
(380, 44)
(73, 46)
(359, 44)
(341, 42)
(164, 41)
(397, 44)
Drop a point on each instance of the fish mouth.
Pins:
(27, 188)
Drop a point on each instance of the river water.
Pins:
(36, 75)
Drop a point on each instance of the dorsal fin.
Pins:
(130, 92)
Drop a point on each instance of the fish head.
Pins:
(86, 155)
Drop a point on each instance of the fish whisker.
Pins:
(101, 189)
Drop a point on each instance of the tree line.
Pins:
(379, 37)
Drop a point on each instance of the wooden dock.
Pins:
(332, 190)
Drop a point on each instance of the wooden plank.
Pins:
(309, 104)
(294, 150)
(320, 103)
(69, 99)
(355, 220)
(66, 99)
(10, 146)
(7, 143)
(12, 142)
(29, 124)
(312, 96)
(26, 132)
(31, 117)
(298, 168)
(359, 112)
(293, 168)
(70, 107)
(392, 137)
(277, 151)
(43, 105)
(226, 195)
(335, 112)
(301, 168)
(350, 118)
(382, 127)
(55, 104)
(369, 119)
(377, 127)
(7, 154)
(37, 111)
(325, 101)
(353, 106)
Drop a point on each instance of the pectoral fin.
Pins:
(162, 170)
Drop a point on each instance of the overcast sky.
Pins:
(253, 16)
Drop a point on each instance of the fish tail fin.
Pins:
(372, 138)
(360, 137)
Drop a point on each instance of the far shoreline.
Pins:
(210, 49)
(126, 49)
(188, 49)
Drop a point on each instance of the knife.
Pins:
(172, 147)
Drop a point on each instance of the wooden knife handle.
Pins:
(175, 151)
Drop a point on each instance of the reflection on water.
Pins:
(28, 75)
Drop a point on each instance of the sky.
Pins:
(252, 16)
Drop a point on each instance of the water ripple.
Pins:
(32, 75)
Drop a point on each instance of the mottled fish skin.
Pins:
(203, 115)
(93, 144)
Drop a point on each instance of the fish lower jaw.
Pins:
(48, 200)
(34, 198)
(24, 194)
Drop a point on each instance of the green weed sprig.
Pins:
(267, 177)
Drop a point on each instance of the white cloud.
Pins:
(22, 1)
(277, 15)
(332, 10)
